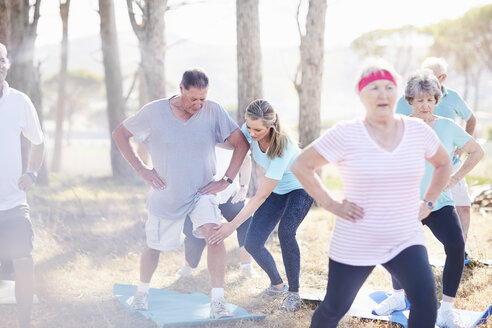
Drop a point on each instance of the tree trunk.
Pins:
(62, 78)
(312, 55)
(476, 86)
(4, 22)
(150, 33)
(114, 84)
(22, 74)
(142, 100)
(249, 77)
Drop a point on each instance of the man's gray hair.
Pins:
(436, 62)
(195, 77)
(3, 49)
(421, 83)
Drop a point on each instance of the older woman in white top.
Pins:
(381, 158)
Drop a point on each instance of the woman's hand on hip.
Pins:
(424, 211)
(347, 210)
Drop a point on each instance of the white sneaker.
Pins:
(218, 309)
(448, 319)
(185, 271)
(389, 305)
(249, 272)
(140, 302)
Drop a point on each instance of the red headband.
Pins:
(379, 75)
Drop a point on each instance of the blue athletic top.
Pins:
(451, 136)
(451, 106)
(277, 168)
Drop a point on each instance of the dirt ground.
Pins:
(89, 233)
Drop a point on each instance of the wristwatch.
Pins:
(32, 175)
(428, 203)
(226, 178)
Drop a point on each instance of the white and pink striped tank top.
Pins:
(384, 183)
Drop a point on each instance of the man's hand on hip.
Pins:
(151, 176)
(25, 182)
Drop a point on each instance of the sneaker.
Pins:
(140, 302)
(448, 319)
(274, 292)
(218, 309)
(292, 302)
(185, 271)
(249, 272)
(389, 305)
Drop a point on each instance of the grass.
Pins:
(89, 233)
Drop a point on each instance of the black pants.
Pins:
(194, 246)
(445, 225)
(412, 269)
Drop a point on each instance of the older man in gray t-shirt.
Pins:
(180, 134)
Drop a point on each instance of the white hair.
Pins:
(421, 83)
(373, 65)
(436, 62)
(3, 49)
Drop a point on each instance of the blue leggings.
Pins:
(290, 210)
(194, 246)
(412, 268)
(445, 225)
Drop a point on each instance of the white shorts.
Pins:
(165, 234)
(459, 192)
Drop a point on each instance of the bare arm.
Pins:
(245, 171)
(265, 188)
(121, 137)
(304, 168)
(475, 154)
(470, 124)
(440, 177)
(240, 148)
(36, 156)
(470, 129)
(244, 177)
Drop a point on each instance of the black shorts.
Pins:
(15, 233)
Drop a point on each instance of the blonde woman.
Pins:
(280, 199)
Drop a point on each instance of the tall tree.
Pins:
(249, 77)
(311, 71)
(62, 79)
(395, 45)
(23, 20)
(4, 22)
(147, 20)
(114, 85)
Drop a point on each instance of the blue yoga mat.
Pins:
(367, 299)
(169, 308)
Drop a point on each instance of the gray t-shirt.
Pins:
(183, 153)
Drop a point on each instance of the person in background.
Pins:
(231, 201)
(451, 106)
(17, 116)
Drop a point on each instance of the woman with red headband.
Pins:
(381, 159)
